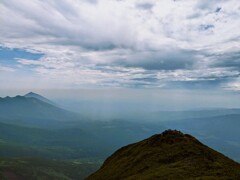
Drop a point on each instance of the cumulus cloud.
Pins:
(125, 43)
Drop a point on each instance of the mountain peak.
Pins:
(39, 97)
(31, 93)
(169, 155)
(170, 137)
(170, 132)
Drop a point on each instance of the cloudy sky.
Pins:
(168, 44)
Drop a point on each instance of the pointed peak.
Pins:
(39, 97)
(31, 93)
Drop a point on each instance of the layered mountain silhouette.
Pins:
(169, 155)
(30, 127)
(33, 109)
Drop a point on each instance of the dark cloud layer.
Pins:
(162, 60)
(231, 60)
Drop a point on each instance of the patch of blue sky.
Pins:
(205, 27)
(9, 56)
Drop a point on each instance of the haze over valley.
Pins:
(52, 131)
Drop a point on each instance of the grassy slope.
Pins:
(167, 157)
(36, 168)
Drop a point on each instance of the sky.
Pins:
(191, 45)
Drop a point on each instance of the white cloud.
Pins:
(110, 42)
(234, 86)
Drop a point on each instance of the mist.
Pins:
(132, 104)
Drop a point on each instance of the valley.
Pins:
(34, 130)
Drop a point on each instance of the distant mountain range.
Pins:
(33, 126)
(34, 110)
(170, 155)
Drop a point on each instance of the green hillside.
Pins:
(170, 155)
(97, 140)
(40, 169)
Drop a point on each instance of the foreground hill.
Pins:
(170, 155)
